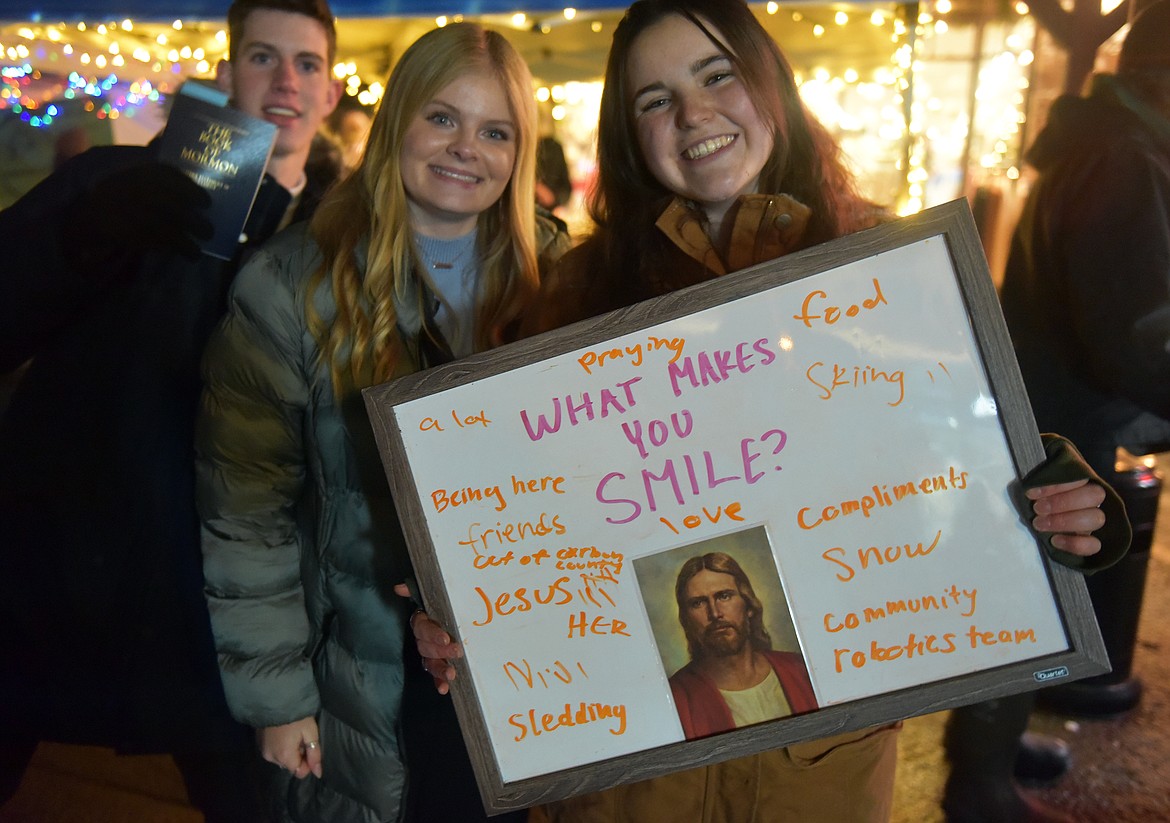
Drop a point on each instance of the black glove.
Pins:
(150, 205)
(1065, 464)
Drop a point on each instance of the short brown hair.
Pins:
(319, 10)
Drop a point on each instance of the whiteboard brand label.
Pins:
(1050, 674)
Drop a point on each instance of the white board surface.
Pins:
(845, 416)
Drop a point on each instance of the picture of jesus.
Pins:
(730, 651)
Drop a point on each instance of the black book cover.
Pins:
(223, 150)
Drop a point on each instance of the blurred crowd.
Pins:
(201, 552)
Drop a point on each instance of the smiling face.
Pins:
(699, 132)
(458, 154)
(281, 73)
(715, 614)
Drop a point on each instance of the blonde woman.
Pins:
(429, 251)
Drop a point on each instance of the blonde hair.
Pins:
(361, 344)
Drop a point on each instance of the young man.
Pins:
(107, 639)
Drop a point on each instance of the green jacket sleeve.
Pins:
(250, 471)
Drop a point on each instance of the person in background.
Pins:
(106, 636)
(70, 143)
(710, 163)
(1086, 296)
(430, 250)
(553, 186)
(349, 125)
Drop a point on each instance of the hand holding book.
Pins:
(225, 152)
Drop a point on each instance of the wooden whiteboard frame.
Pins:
(953, 221)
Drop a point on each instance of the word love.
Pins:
(693, 521)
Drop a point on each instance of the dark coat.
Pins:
(107, 639)
(1086, 292)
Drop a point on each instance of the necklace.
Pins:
(445, 255)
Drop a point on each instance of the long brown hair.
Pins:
(361, 344)
(805, 163)
(724, 564)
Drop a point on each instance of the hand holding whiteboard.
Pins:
(851, 414)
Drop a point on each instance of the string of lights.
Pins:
(881, 106)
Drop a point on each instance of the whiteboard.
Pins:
(836, 421)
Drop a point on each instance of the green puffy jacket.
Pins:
(301, 541)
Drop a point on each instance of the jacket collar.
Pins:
(766, 226)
